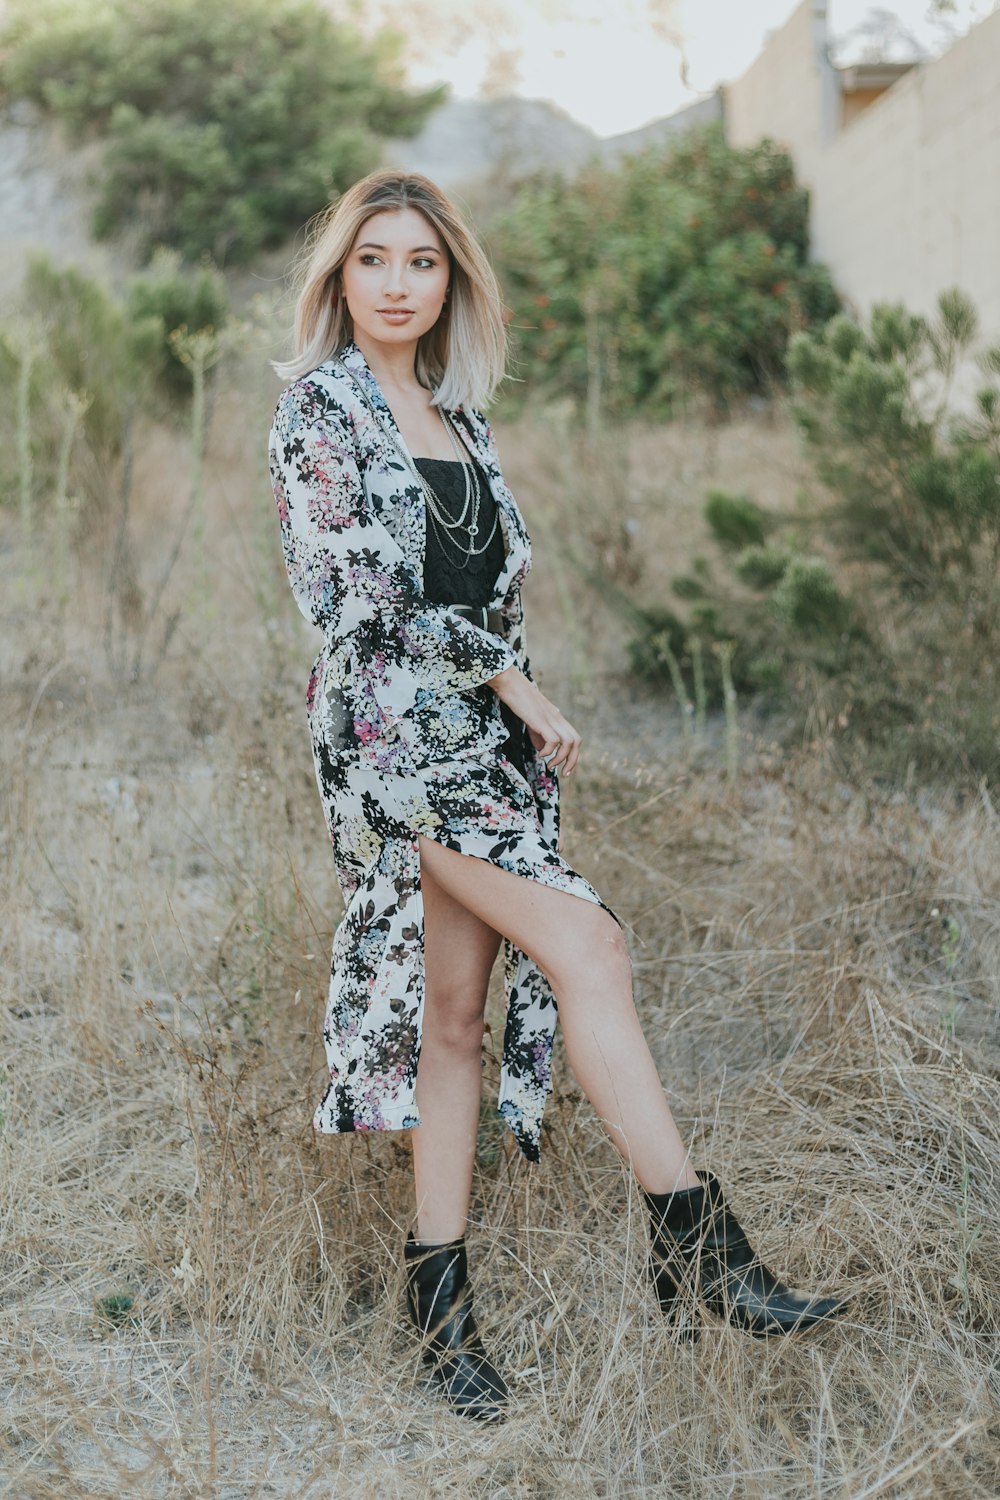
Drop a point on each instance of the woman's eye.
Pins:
(368, 255)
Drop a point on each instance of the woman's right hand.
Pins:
(552, 735)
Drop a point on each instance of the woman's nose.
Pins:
(395, 281)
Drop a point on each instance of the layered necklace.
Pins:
(443, 522)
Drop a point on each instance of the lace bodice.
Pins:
(446, 580)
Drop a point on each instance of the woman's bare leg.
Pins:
(459, 951)
(582, 951)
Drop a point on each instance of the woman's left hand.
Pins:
(558, 744)
(552, 735)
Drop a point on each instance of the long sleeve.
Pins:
(350, 576)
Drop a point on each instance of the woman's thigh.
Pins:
(459, 951)
(561, 932)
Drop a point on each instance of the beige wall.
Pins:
(905, 198)
(781, 94)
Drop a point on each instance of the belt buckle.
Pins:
(477, 613)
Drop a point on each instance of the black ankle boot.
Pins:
(699, 1248)
(439, 1299)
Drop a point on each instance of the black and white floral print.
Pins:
(407, 740)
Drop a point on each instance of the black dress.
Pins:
(452, 579)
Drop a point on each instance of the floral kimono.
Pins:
(407, 739)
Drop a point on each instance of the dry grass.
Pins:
(816, 963)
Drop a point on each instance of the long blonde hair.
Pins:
(465, 354)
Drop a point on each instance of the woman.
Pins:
(438, 760)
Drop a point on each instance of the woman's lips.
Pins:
(393, 317)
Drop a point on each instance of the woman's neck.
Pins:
(393, 367)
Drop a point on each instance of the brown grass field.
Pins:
(202, 1300)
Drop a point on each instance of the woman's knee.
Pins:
(454, 1021)
(613, 942)
(599, 950)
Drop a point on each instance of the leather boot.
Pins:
(439, 1299)
(699, 1251)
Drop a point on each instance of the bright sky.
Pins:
(618, 64)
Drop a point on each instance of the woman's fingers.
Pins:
(569, 764)
(553, 736)
(561, 747)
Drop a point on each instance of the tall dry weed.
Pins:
(203, 1300)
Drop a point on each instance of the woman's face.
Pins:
(397, 261)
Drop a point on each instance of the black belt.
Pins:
(486, 619)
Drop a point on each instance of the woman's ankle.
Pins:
(677, 1181)
(439, 1231)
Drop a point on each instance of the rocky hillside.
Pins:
(45, 200)
(45, 193)
(470, 141)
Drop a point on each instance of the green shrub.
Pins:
(761, 567)
(227, 123)
(194, 300)
(735, 520)
(681, 270)
(767, 673)
(645, 653)
(915, 490)
(686, 586)
(113, 355)
(889, 636)
(807, 598)
(92, 347)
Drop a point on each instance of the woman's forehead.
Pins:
(403, 228)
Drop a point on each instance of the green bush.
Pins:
(92, 347)
(808, 600)
(655, 626)
(227, 123)
(687, 587)
(194, 300)
(761, 567)
(681, 270)
(735, 520)
(916, 490)
(890, 634)
(113, 354)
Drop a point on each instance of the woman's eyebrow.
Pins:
(371, 245)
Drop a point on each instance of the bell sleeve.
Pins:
(349, 575)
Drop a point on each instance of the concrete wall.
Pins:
(905, 197)
(782, 94)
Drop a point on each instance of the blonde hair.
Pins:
(465, 354)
